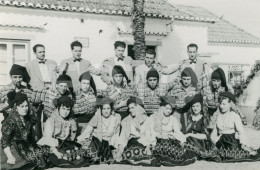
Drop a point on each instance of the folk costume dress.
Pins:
(135, 137)
(101, 136)
(56, 134)
(168, 148)
(17, 134)
(231, 140)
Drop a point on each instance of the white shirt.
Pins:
(44, 72)
(77, 63)
(140, 73)
(192, 65)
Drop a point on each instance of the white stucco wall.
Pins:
(237, 55)
(174, 47)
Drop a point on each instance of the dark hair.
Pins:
(36, 46)
(192, 45)
(150, 51)
(131, 103)
(163, 103)
(204, 113)
(101, 107)
(221, 98)
(75, 44)
(119, 44)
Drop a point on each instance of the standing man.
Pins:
(42, 71)
(75, 66)
(142, 70)
(199, 66)
(109, 63)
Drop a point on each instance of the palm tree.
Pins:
(138, 23)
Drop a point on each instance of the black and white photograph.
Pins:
(130, 84)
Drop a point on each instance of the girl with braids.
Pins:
(19, 147)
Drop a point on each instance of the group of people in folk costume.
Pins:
(55, 117)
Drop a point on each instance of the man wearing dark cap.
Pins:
(187, 86)
(119, 91)
(20, 78)
(119, 59)
(150, 92)
(216, 86)
(43, 72)
(47, 96)
(85, 101)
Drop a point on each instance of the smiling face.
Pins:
(167, 110)
(17, 80)
(23, 108)
(106, 110)
(216, 83)
(196, 108)
(64, 111)
(76, 52)
(225, 105)
(85, 84)
(186, 81)
(62, 87)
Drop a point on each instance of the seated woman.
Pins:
(19, 147)
(134, 141)
(85, 104)
(119, 91)
(102, 131)
(196, 131)
(59, 134)
(228, 133)
(168, 140)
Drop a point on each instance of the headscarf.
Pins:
(117, 69)
(152, 73)
(16, 97)
(135, 100)
(188, 72)
(228, 95)
(219, 74)
(20, 70)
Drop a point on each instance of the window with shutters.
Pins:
(12, 52)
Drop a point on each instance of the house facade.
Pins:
(97, 24)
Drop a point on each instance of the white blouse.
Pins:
(229, 123)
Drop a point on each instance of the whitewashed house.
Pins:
(99, 23)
